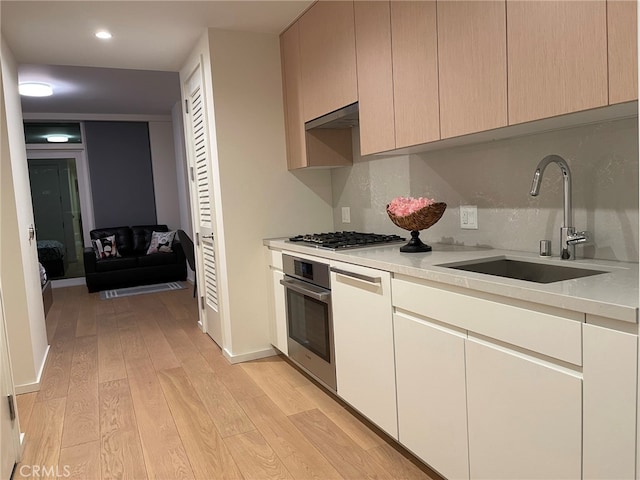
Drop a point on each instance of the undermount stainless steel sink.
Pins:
(522, 270)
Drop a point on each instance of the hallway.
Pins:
(133, 389)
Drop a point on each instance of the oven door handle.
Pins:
(322, 296)
(359, 276)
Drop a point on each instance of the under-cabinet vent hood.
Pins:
(345, 117)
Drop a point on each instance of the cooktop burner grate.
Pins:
(341, 240)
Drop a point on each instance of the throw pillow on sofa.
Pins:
(161, 242)
(105, 247)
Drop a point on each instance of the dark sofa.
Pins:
(134, 267)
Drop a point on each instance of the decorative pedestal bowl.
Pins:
(416, 221)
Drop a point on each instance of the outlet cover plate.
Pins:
(346, 215)
(469, 217)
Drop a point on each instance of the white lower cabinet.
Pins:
(432, 408)
(479, 387)
(610, 378)
(363, 338)
(524, 414)
(279, 329)
(276, 301)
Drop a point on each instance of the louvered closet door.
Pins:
(202, 201)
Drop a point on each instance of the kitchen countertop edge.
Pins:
(616, 297)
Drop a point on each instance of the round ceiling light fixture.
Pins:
(35, 89)
(57, 138)
(103, 35)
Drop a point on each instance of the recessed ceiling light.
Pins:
(34, 89)
(57, 138)
(103, 34)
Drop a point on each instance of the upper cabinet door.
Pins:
(328, 58)
(293, 116)
(375, 76)
(556, 57)
(622, 23)
(415, 72)
(472, 60)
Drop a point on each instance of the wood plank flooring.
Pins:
(134, 390)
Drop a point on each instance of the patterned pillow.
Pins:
(161, 242)
(105, 247)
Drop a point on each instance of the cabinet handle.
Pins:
(321, 295)
(359, 276)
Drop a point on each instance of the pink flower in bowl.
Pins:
(415, 214)
(403, 206)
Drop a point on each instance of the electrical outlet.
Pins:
(346, 215)
(469, 217)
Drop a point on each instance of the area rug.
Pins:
(141, 290)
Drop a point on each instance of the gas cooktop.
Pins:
(343, 240)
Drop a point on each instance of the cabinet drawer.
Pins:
(546, 330)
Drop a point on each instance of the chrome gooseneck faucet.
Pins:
(568, 235)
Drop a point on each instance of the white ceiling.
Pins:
(88, 90)
(147, 35)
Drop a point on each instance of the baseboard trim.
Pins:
(68, 282)
(246, 357)
(35, 386)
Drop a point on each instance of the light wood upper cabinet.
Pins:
(422, 73)
(622, 30)
(556, 57)
(375, 76)
(397, 58)
(415, 72)
(328, 58)
(472, 60)
(320, 148)
(291, 83)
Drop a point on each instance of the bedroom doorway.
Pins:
(58, 216)
(62, 208)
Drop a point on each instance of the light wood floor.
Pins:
(133, 389)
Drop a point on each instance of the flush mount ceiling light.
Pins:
(57, 138)
(35, 89)
(103, 35)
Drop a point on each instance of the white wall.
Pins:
(163, 163)
(19, 273)
(260, 198)
(496, 177)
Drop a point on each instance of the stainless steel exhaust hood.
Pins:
(345, 117)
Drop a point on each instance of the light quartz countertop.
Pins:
(613, 294)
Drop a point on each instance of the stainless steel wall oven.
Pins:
(309, 319)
